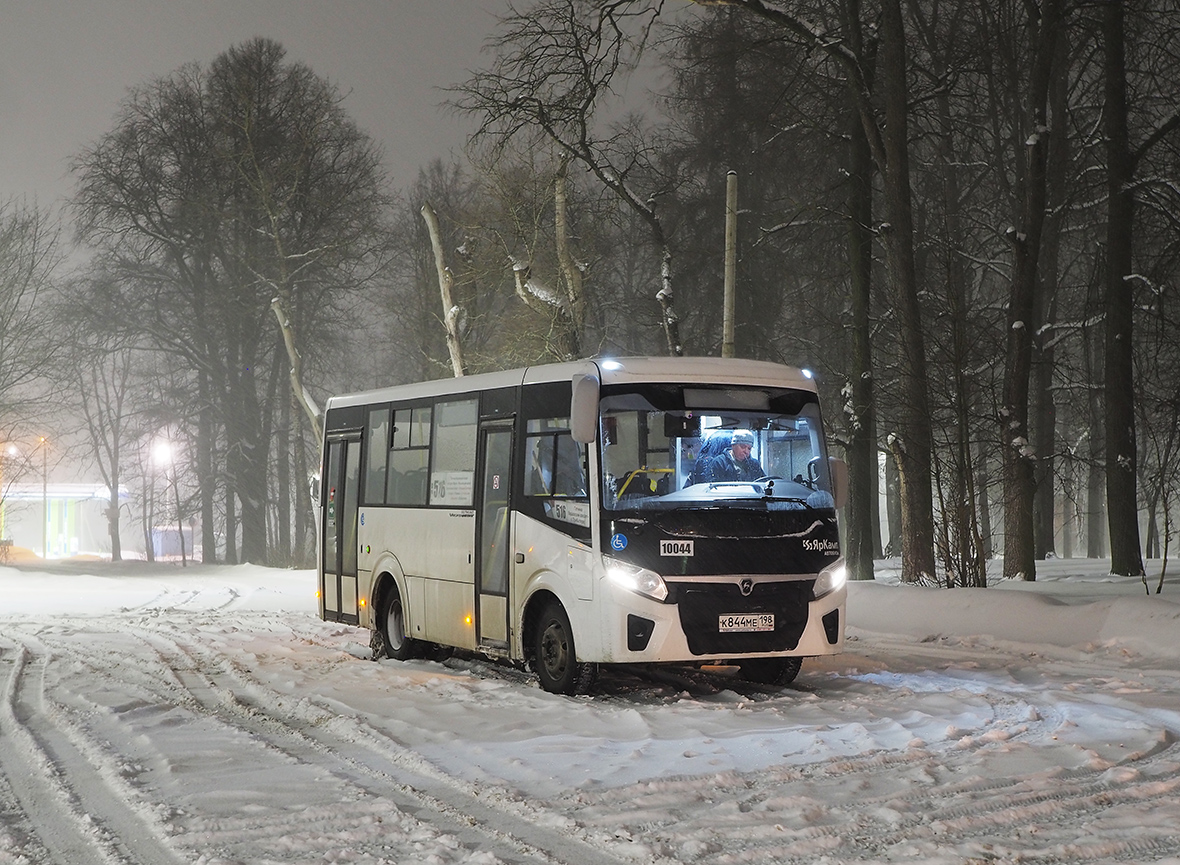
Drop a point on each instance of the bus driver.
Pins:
(736, 464)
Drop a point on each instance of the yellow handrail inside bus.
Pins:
(643, 470)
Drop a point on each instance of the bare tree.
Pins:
(881, 103)
(555, 66)
(29, 258)
(218, 191)
(103, 373)
(1018, 453)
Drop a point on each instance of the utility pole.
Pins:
(730, 262)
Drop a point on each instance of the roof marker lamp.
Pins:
(612, 365)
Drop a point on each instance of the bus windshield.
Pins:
(675, 446)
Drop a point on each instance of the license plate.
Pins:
(745, 622)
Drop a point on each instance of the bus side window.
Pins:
(571, 467)
(409, 457)
(452, 465)
(538, 479)
(376, 452)
(557, 466)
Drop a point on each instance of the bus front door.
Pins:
(494, 534)
(338, 577)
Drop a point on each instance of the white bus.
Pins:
(572, 515)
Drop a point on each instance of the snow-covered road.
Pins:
(207, 715)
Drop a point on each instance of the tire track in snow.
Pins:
(356, 753)
(924, 801)
(1035, 817)
(74, 812)
(1035, 814)
(161, 667)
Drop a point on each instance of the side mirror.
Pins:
(584, 409)
(838, 469)
(313, 484)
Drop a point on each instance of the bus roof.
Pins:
(623, 370)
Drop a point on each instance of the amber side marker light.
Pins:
(467, 620)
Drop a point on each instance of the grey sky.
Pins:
(65, 66)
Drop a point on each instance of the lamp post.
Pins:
(9, 452)
(164, 455)
(44, 445)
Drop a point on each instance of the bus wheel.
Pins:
(554, 656)
(771, 671)
(391, 630)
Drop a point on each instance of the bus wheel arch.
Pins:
(390, 630)
(550, 648)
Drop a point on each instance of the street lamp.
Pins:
(164, 455)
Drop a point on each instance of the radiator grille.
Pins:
(700, 605)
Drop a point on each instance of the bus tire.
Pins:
(555, 656)
(771, 671)
(390, 634)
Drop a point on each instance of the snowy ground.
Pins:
(153, 714)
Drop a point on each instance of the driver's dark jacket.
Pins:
(724, 467)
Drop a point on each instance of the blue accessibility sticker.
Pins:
(618, 542)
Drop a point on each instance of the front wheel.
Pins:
(771, 671)
(555, 657)
(389, 639)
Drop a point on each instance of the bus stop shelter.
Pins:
(56, 520)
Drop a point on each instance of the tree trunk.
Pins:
(445, 284)
(1044, 429)
(1122, 510)
(1044, 406)
(963, 545)
(149, 517)
(892, 506)
(1069, 526)
(862, 446)
(1016, 447)
(279, 306)
(1095, 497)
(113, 519)
(208, 476)
(231, 514)
(983, 505)
(575, 320)
(283, 479)
(1095, 516)
(305, 528)
(667, 307)
(179, 517)
(913, 444)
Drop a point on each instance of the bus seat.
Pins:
(712, 446)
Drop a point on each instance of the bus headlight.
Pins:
(830, 579)
(636, 579)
